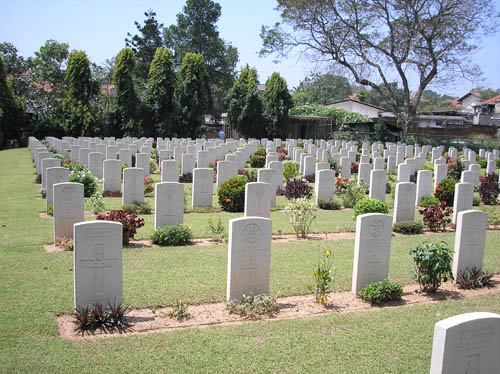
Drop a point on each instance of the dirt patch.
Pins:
(330, 236)
(52, 248)
(145, 320)
(45, 215)
(140, 244)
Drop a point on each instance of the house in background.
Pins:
(355, 106)
(468, 101)
(487, 112)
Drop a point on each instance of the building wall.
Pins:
(353, 107)
(468, 101)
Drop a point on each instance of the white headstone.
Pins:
(424, 185)
(133, 186)
(96, 166)
(372, 249)
(258, 196)
(98, 263)
(249, 257)
(225, 170)
(112, 177)
(54, 175)
(169, 171)
(202, 187)
(378, 182)
(404, 202)
(142, 162)
(324, 185)
(462, 200)
(68, 208)
(169, 204)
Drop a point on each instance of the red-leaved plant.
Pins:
(436, 217)
(130, 222)
(489, 189)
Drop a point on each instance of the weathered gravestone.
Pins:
(324, 185)
(249, 257)
(378, 182)
(404, 202)
(404, 172)
(440, 173)
(169, 204)
(48, 163)
(84, 156)
(96, 164)
(125, 156)
(270, 176)
(203, 159)
(54, 175)
(203, 180)
(75, 153)
(258, 196)
(424, 185)
(98, 263)
(142, 162)
(378, 163)
(188, 163)
(470, 237)
(462, 200)
(225, 171)
(112, 176)
(68, 208)
(169, 171)
(467, 343)
(364, 170)
(133, 186)
(372, 249)
(345, 167)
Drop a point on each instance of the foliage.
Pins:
(350, 193)
(149, 186)
(112, 194)
(445, 191)
(296, 189)
(186, 178)
(436, 217)
(330, 205)
(257, 160)
(145, 43)
(153, 167)
(196, 31)
(231, 194)
(471, 279)
(126, 99)
(433, 260)
(65, 242)
(367, 205)
(408, 228)
(253, 306)
(380, 132)
(429, 200)
(130, 222)
(79, 115)
(245, 107)
(89, 319)
(430, 42)
(160, 94)
(493, 215)
(84, 177)
(172, 235)
(323, 276)
(193, 95)
(476, 200)
(7, 107)
(251, 175)
(455, 168)
(277, 103)
(380, 292)
(489, 189)
(341, 116)
(483, 163)
(354, 168)
(179, 311)
(137, 208)
(301, 215)
(332, 162)
(290, 170)
(96, 202)
(322, 89)
(217, 230)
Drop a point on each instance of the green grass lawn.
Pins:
(35, 287)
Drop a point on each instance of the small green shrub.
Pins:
(179, 311)
(172, 235)
(409, 228)
(476, 200)
(87, 179)
(323, 276)
(483, 163)
(50, 210)
(89, 319)
(231, 194)
(493, 215)
(96, 202)
(445, 191)
(429, 200)
(152, 166)
(330, 205)
(473, 279)
(433, 261)
(149, 186)
(301, 215)
(380, 292)
(137, 208)
(290, 170)
(428, 167)
(367, 205)
(217, 230)
(254, 306)
(350, 193)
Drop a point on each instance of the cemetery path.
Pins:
(292, 307)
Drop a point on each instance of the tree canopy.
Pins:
(277, 103)
(415, 41)
(322, 89)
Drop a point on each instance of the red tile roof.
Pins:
(491, 101)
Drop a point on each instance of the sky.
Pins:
(100, 27)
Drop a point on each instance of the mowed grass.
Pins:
(35, 287)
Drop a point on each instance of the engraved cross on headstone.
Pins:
(250, 269)
(98, 263)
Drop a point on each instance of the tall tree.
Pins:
(81, 88)
(161, 93)
(14, 64)
(126, 100)
(50, 64)
(322, 89)
(277, 103)
(7, 108)
(245, 108)
(196, 32)
(415, 40)
(192, 95)
(145, 43)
